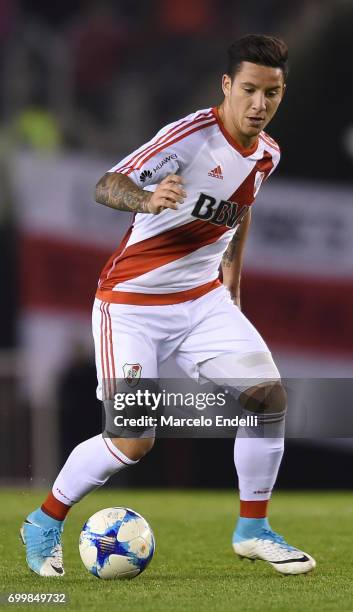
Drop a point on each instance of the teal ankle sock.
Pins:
(249, 527)
(40, 518)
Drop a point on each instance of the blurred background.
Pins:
(85, 83)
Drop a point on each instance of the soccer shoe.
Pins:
(269, 546)
(43, 549)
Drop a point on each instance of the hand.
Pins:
(235, 295)
(167, 195)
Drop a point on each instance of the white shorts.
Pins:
(194, 332)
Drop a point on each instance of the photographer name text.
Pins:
(172, 421)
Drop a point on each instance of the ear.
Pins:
(226, 85)
(283, 90)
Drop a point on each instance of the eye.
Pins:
(248, 90)
(272, 94)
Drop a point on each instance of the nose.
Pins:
(259, 101)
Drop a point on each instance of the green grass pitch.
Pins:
(194, 568)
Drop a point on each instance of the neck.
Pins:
(225, 116)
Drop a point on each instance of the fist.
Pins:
(168, 194)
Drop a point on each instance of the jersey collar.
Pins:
(244, 152)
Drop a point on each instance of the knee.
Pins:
(134, 448)
(265, 398)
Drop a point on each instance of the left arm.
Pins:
(232, 259)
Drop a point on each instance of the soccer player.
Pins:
(191, 189)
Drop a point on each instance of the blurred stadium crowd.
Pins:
(88, 74)
(101, 76)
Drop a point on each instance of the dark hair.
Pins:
(258, 49)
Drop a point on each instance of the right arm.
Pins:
(120, 192)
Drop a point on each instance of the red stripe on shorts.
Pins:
(102, 353)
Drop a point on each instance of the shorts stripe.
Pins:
(111, 350)
(102, 354)
(106, 338)
(108, 368)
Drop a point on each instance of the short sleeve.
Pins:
(170, 151)
(152, 162)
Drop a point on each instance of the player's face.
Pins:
(251, 100)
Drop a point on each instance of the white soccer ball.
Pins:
(116, 543)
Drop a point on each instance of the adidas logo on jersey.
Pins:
(216, 173)
(145, 175)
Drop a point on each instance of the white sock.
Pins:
(88, 467)
(257, 460)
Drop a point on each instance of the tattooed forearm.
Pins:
(231, 252)
(119, 192)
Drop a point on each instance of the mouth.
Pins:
(256, 121)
